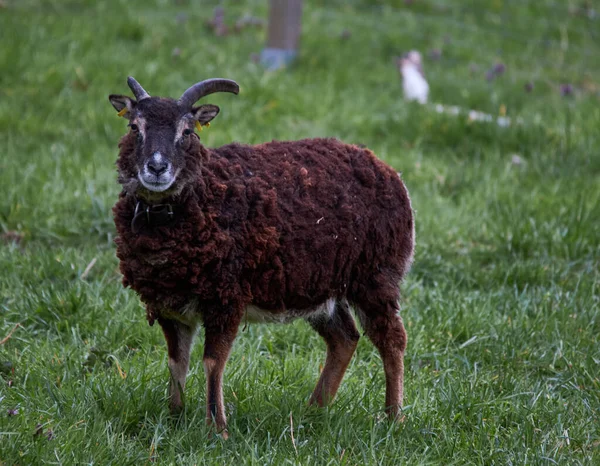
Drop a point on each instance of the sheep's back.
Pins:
(337, 210)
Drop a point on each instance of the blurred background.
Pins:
(502, 303)
(60, 59)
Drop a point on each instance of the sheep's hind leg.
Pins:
(180, 338)
(383, 325)
(220, 332)
(341, 336)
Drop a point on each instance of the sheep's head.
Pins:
(163, 129)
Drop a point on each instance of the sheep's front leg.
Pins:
(180, 338)
(220, 332)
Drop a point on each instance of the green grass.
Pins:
(502, 305)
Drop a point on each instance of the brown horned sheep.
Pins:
(269, 233)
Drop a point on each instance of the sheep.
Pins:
(264, 233)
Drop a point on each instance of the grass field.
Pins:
(502, 304)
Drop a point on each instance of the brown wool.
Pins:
(249, 231)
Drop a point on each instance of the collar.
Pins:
(153, 215)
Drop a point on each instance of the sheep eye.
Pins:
(187, 132)
(134, 128)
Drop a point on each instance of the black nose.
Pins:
(157, 167)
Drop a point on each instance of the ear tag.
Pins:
(198, 126)
(207, 124)
(122, 112)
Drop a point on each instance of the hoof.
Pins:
(214, 434)
(217, 429)
(176, 409)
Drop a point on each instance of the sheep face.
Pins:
(162, 131)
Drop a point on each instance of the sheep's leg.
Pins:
(220, 332)
(383, 325)
(340, 335)
(180, 338)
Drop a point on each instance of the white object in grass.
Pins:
(414, 83)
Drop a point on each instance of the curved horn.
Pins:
(206, 87)
(137, 89)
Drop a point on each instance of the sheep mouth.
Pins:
(157, 183)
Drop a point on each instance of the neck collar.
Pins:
(147, 215)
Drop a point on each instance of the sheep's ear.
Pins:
(205, 113)
(123, 104)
